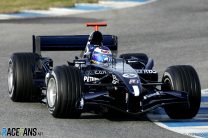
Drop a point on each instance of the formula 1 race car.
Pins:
(127, 84)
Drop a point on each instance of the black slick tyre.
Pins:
(20, 77)
(64, 92)
(183, 78)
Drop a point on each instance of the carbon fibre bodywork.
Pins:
(116, 85)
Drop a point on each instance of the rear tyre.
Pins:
(183, 78)
(20, 77)
(64, 92)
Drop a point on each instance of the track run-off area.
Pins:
(196, 127)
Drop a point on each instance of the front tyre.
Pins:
(183, 78)
(64, 92)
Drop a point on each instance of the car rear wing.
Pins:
(69, 43)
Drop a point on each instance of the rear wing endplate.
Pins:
(69, 43)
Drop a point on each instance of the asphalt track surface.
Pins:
(171, 32)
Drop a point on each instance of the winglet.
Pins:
(96, 25)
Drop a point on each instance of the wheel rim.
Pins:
(168, 83)
(10, 78)
(51, 92)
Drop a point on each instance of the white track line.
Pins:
(198, 129)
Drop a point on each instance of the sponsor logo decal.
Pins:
(146, 71)
(115, 80)
(96, 72)
(90, 79)
(133, 81)
(151, 95)
(131, 61)
(129, 75)
(79, 62)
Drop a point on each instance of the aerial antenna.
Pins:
(96, 25)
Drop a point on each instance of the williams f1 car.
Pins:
(127, 84)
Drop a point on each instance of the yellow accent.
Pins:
(93, 62)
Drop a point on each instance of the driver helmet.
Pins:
(101, 55)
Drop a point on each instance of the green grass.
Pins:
(11, 6)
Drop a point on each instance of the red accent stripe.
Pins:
(96, 25)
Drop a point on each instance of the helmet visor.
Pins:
(100, 57)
